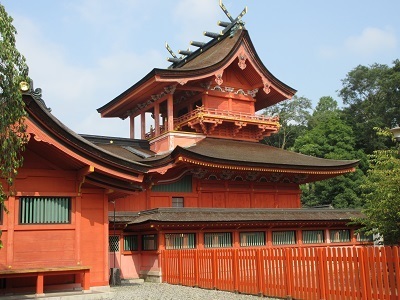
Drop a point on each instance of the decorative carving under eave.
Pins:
(242, 61)
(252, 93)
(218, 79)
(267, 86)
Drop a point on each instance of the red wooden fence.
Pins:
(298, 273)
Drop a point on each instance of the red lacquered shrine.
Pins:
(197, 178)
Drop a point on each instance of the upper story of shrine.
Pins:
(214, 91)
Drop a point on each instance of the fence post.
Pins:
(196, 268)
(288, 271)
(321, 273)
(360, 254)
(260, 273)
(163, 264)
(180, 267)
(214, 268)
(235, 270)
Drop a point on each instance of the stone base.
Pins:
(115, 276)
(151, 276)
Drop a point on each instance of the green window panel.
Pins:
(362, 237)
(131, 243)
(149, 242)
(180, 241)
(339, 236)
(182, 186)
(313, 236)
(45, 210)
(284, 237)
(218, 240)
(248, 239)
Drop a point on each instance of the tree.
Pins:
(372, 96)
(293, 116)
(381, 192)
(331, 138)
(13, 71)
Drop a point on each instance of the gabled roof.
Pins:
(214, 58)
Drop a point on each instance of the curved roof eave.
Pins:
(40, 115)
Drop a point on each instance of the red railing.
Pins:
(299, 273)
(223, 114)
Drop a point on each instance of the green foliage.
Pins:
(13, 70)
(293, 116)
(381, 193)
(372, 96)
(329, 137)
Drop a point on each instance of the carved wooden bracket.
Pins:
(242, 60)
(218, 78)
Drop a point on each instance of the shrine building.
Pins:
(199, 178)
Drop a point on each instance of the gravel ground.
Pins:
(164, 291)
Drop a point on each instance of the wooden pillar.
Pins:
(157, 118)
(11, 218)
(132, 127)
(143, 125)
(170, 109)
(39, 285)
(78, 214)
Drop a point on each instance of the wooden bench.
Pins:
(39, 273)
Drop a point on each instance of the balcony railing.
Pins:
(202, 112)
(217, 114)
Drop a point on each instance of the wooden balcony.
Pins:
(228, 124)
(223, 123)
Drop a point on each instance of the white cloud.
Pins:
(371, 41)
(74, 92)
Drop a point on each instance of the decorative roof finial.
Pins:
(232, 27)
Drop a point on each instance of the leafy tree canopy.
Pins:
(13, 70)
(372, 96)
(331, 138)
(293, 117)
(381, 193)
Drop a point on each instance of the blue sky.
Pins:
(83, 53)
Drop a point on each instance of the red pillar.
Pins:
(132, 127)
(143, 125)
(170, 109)
(157, 118)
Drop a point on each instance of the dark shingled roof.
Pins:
(250, 152)
(235, 215)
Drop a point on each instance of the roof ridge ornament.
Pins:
(232, 27)
(36, 94)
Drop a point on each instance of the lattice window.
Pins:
(45, 210)
(131, 243)
(218, 240)
(180, 241)
(284, 237)
(248, 239)
(113, 243)
(150, 242)
(313, 236)
(177, 202)
(340, 236)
